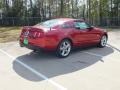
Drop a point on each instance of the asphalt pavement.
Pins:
(85, 69)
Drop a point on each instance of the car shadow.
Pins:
(51, 66)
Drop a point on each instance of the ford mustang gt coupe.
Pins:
(61, 35)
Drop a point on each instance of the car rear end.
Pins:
(32, 38)
(44, 35)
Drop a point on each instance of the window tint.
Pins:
(81, 25)
(67, 25)
(51, 23)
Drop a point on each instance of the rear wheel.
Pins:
(64, 49)
(103, 41)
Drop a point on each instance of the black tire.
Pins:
(59, 52)
(103, 41)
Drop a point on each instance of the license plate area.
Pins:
(25, 41)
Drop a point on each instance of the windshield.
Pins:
(51, 23)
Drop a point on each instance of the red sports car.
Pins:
(61, 35)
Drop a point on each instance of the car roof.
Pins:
(69, 19)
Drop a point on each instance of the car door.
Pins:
(84, 34)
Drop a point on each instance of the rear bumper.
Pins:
(45, 43)
(31, 46)
(37, 47)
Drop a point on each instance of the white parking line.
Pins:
(35, 71)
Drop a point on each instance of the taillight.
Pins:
(37, 34)
(32, 32)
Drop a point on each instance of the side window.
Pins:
(67, 25)
(81, 25)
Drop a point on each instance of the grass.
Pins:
(8, 34)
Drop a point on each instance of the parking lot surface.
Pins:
(85, 69)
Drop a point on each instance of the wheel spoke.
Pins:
(64, 44)
(61, 48)
(65, 48)
(63, 52)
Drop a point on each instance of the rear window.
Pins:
(51, 23)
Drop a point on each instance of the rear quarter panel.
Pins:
(54, 37)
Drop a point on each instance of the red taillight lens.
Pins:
(33, 32)
(37, 34)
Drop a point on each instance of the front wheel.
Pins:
(64, 49)
(103, 41)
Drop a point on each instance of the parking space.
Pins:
(85, 69)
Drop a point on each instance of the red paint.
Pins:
(49, 38)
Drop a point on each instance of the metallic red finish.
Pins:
(49, 38)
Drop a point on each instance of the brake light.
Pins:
(32, 32)
(37, 34)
